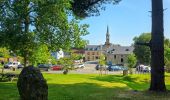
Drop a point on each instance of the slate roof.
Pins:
(93, 47)
(113, 49)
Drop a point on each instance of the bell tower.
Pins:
(107, 43)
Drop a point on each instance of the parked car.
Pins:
(97, 67)
(147, 69)
(103, 67)
(20, 66)
(117, 68)
(79, 66)
(44, 67)
(56, 67)
(8, 65)
(143, 68)
(12, 65)
(124, 68)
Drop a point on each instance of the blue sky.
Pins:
(126, 20)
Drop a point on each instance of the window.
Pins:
(88, 58)
(93, 53)
(121, 60)
(127, 49)
(93, 58)
(97, 57)
(115, 56)
(88, 53)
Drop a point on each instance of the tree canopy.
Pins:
(26, 23)
(102, 60)
(85, 8)
(142, 53)
(131, 60)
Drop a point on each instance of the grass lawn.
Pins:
(93, 87)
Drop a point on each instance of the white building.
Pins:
(58, 54)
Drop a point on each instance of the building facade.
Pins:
(115, 54)
(58, 54)
(92, 52)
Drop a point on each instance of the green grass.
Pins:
(92, 87)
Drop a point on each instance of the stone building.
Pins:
(115, 54)
(93, 52)
(118, 54)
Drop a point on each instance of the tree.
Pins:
(167, 54)
(86, 8)
(142, 53)
(157, 36)
(167, 58)
(4, 52)
(157, 48)
(131, 62)
(102, 60)
(67, 63)
(28, 22)
(41, 55)
(76, 56)
(102, 64)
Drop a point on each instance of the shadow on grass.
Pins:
(8, 91)
(129, 81)
(93, 91)
(84, 91)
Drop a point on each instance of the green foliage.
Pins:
(25, 24)
(131, 60)
(85, 8)
(41, 55)
(20, 59)
(142, 53)
(53, 61)
(102, 60)
(4, 52)
(76, 56)
(66, 62)
(167, 54)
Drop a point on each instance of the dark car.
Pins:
(8, 65)
(97, 67)
(56, 67)
(116, 68)
(20, 66)
(44, 67)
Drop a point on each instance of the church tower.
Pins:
(107, 43)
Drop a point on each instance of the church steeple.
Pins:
(107, 43)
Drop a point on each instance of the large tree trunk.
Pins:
(25, 61)
(157, 48)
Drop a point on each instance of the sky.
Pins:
(126, 20)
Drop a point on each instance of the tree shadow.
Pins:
(84, 91)
(129, 81)
(89, 91)
(8, 90)
(93, 91)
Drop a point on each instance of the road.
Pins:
(88, 69)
